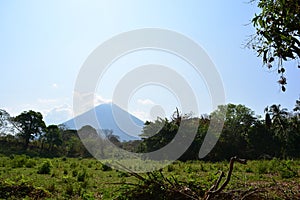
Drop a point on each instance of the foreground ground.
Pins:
(77, 178)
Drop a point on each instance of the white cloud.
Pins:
(145, 102)
(53, 110)
(87, 101)
(141, 115)
(59, 114)
(98, 99)
(47, 101)
(55, 85)
(16, 110)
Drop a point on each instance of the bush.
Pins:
(45, 168)
(88, 196)
(30, 163)
(51, 188)
(65, 172)
(170, 168)
(69, 190)
(262, 168)
(14, 190)
(18, 161)
(248, 170)
(106, 168)
(74, 173)
(286, 170)
(64, 159)
(287, 173)
(123, 174)
(73, 165)
(81, 176)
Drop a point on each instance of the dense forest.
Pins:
(277, 134)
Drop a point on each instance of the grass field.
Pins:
(22, 177)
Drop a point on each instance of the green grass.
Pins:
(77, 178)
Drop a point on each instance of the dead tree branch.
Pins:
(214, 190)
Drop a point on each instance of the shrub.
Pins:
(64, 159)
(170, 168)
(74, 173)
(19, 161)
(88, 196)
(14, 190)
(84, 185)
(262, 168)
(248, 170)
(286, 171)
(106, 168)
(123, 174)
(81, 176)
(30, 163)
(45, 168)
(188, 169)
(51, 188)
(73, 165)
(70, 190)
(65, 172)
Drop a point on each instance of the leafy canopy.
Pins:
(277, 34)
(29, 124)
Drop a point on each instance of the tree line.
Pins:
(244, 134)
(27, 133)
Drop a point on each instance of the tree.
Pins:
(293, 137)
(297, 108)
(29, 124)
(91, 139)
(152, 128)
(277, 33)
(262, 142)
(115, 139)
(53, 136)
(280, 125)
(4, 118)
(157, 134)
(233, 140)
(279, 116)
(72, 145)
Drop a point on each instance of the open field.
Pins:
(77, 178)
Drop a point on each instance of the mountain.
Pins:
(112, 117)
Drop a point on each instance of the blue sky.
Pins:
(44, 44)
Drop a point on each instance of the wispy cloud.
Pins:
(59, 114)
(47, 101)
(141, 115)
(54, 85)
(145, 102)
(54, 110)
(87, 101)
(98, 99)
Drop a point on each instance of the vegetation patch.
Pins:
(13, 190)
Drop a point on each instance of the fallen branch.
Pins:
(214, 190)
(170, 186)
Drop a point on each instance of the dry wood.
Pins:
(214, 190)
